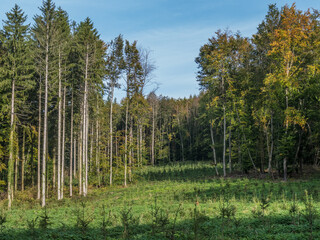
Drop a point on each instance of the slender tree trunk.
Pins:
(270, 146)
(75, 157)
(141, 147)
(152, 139)
(45, 122)
(138, 146)
(23, 158)
(97, 150)
(214, 150)
(71, 145)
(54, 169)
(297, 152)
(80, 154)
(230, 151)
(11, 146)
(287, 126)
(85, 128)
(16, 171)
(59, 128)
(39, 144)
(126, 144)
(63, 141)
(111, 134)
(224, 142)
(130, 150)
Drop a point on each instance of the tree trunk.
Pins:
(39, 143)
(152, 139)
(97, 151)
(80, 154)
(45, 122)
(63, 141)
(59, 129)
(270, 147)
(287, 126)
(54, 169)
(131, 150)
(126, 144)
(71, 145)
(75, 157)
(214, 150)
(11, 148)
(224, 142)
(230, 151)
(16, 171)
(111, 134)
(23, 158)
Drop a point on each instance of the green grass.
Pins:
(180, 201)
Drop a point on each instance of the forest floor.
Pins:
(180, 201)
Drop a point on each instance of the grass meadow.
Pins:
(177, 201)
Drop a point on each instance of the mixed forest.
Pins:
(64, 135)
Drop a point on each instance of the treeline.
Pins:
(262, 94)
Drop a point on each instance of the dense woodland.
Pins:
(62, 131)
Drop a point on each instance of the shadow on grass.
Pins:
(203, 227)
(181, 172)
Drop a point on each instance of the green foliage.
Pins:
(3, 219)
(127, 220)
(82, 218)
(44, 220)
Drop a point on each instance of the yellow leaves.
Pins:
(292, 39)
(2, 167)
(214, 101)
(294, 117)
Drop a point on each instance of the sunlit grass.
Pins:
(191, 193)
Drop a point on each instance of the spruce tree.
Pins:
(17, 79)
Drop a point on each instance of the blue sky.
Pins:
(173, 30)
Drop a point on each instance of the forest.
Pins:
(244, 149)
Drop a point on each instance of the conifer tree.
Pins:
(44, 32)
(16, 77)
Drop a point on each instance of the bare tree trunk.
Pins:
(75, 157)
(287, 126)
(230, 151)
(141, 147)
(59, 128)
(87, 159)
(270, 146)
(63, 141)
(39, 144)
(11, 146)
(91, 147)
(71, 146)
(97, 151)
(16, 173)
(23, 158)
(111, 134)
(54, 169)
(85, 128)
(138, 146)
(130, 151)
(126, 144)
(80, 155)
(152, 139)
(45, 122)
(224, 142)
(214, 150)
